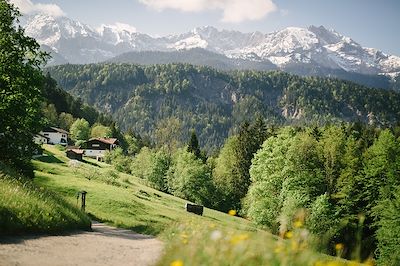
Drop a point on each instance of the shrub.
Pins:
(189, 178)
(152, 166)
(117, 158)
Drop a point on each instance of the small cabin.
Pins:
(97, 147)
(75, 154)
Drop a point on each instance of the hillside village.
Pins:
(93, 148)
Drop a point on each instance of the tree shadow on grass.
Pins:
(91, 163)
(48, 158)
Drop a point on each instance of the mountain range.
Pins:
(305, 51)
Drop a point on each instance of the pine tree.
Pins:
(193, 145)
(250, 139)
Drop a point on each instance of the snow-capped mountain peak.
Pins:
(118, 27)
(48, 30)
(315, 47)
(326, 36)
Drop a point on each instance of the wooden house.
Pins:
(75, 154)
(96, 147)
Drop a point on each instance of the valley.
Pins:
(260, 144)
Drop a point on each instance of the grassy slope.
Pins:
(27, 208)
(119, 199)
(212, 239)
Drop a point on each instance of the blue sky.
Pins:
(372, 23)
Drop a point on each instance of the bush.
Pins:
(151, 166)
(189, 178)
(294, 202)
(158, 171)
(322, 216)
(117, 158)
(142, 163)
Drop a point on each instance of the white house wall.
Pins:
(55, 137)
(94, 153)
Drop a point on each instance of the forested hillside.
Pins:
(195, 56)
(60, 105)
(202, 57)
(215, 103)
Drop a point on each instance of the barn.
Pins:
(75, 154)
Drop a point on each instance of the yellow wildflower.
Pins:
(298, 224)
(329, 263)
(339, 246)
(289, 234)
(177, 263)
(232, 212)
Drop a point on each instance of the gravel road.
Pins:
(106, 245)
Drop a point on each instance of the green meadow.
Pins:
(119, 199)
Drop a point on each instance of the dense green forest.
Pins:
(215, 103)
(336, 186)
(60, 106)
(341, 182)
(202, 57)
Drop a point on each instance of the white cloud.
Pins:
(27, 7)
(234, 11)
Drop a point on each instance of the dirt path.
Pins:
(104, 246)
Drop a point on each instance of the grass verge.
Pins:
(193, 243)
(27, 208)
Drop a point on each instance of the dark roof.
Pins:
(77, 151)
(106, 140)
(55, 129)
(73, 147)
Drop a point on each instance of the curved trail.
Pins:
(106, 245)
